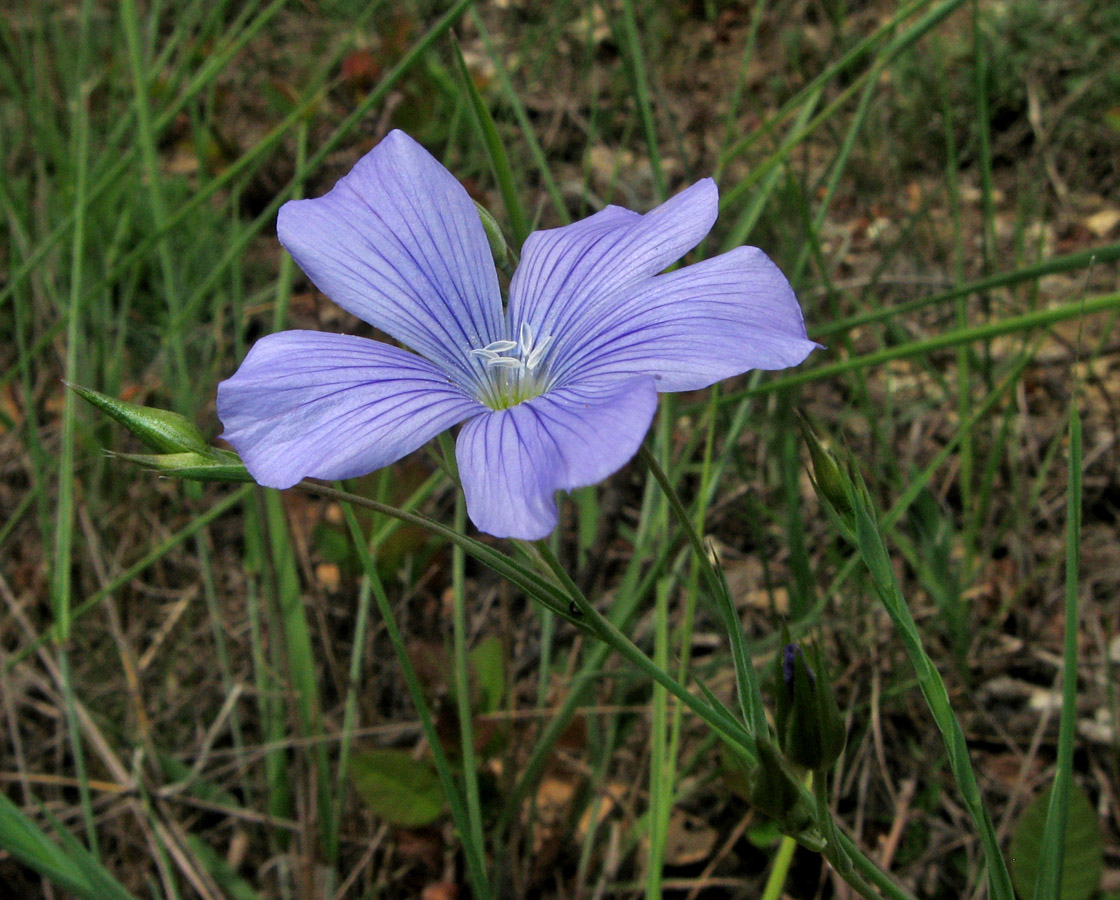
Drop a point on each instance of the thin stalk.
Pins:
(661, 765)
(1039, 318)
(750, 693)
(475, 859)
(872, 549)
(495, 153)
(779, 871)
(1057, 815)
(609, 634)
(61, 585)
(632, 43)
(463, 684)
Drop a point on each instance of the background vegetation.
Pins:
(191, 677)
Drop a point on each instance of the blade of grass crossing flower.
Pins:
(495, 151)
(873, 551)
(631, 45)
(528, 132)
(473, 852)
(1057, 816)
(1041, 318)
(1054, 266)
(750, 694)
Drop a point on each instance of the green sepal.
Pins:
(776, 792)
(214, 465)
(160, 429)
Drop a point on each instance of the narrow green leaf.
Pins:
(71, 866)
(495, 152)
(233, 885)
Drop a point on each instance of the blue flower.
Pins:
(555, 393)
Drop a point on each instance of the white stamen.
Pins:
(519, 380)
(538, 353)
(497, 347)
(503, 362)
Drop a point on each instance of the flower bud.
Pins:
(160, 429)
(810, 728)
(829, 478)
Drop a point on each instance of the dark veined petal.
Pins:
(566, 273)
(513, 461)
(305, 404)
(398, 242)
(692, 327)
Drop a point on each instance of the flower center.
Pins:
(514, 372)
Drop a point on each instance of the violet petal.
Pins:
(306, 403)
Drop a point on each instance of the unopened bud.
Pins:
(160, 429)
(831, 481)
(810, 728)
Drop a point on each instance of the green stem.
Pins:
(538, 588)
(609, 634)
(475, 861)
(776, 880)
(750, 694)
(463, 686)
